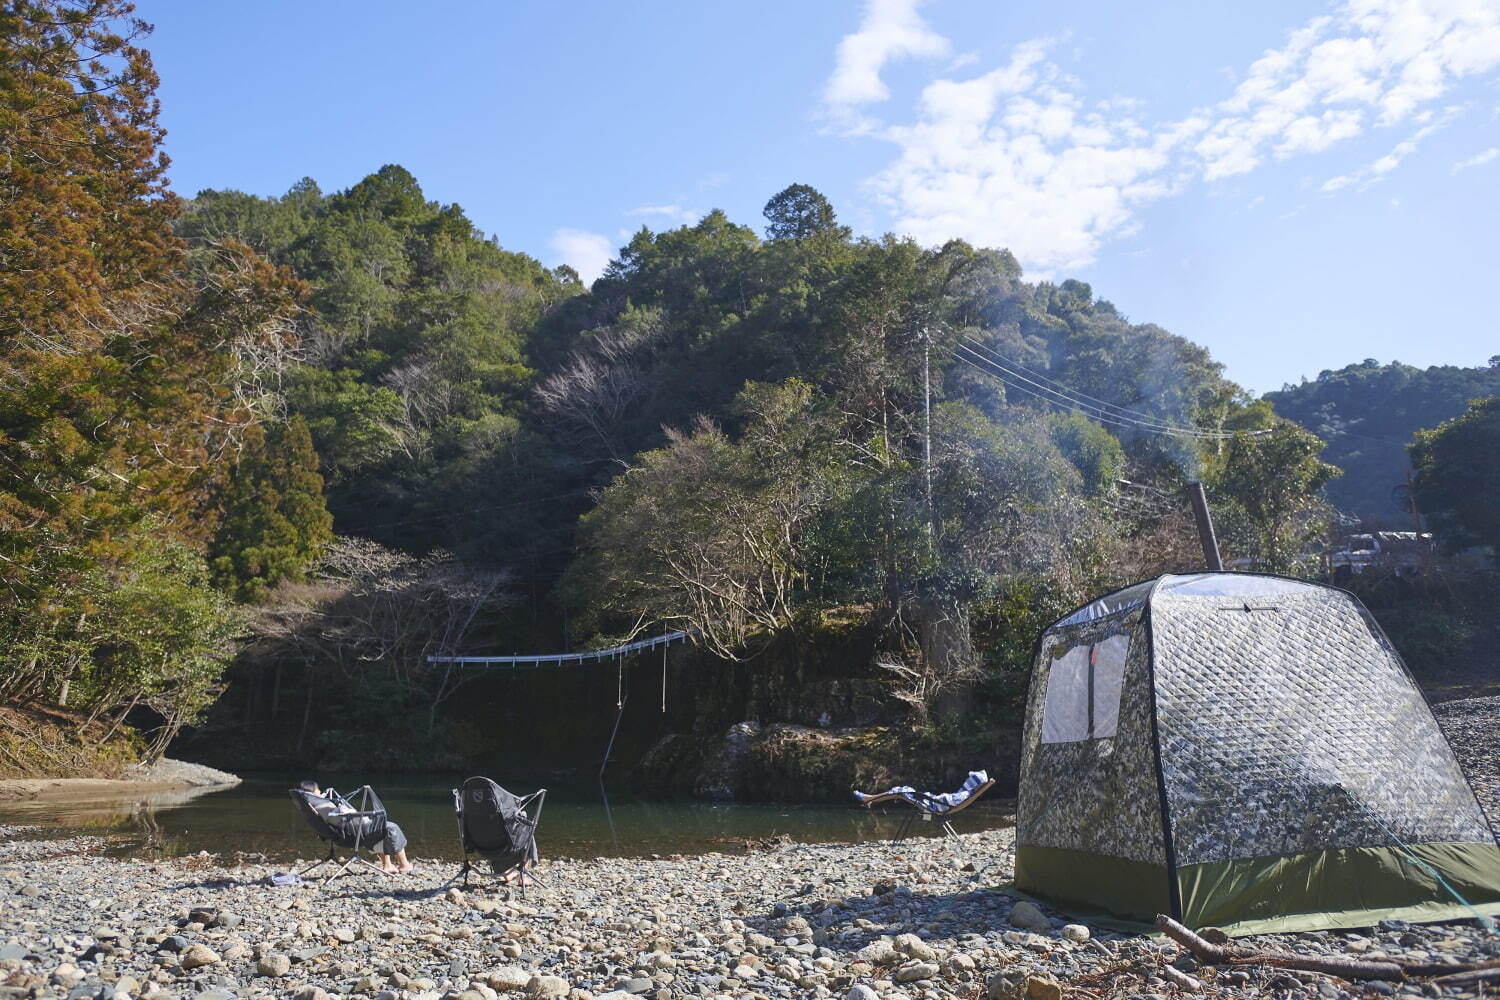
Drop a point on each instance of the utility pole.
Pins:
(1205, 521)
(927, 433)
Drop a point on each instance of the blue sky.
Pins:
(1295, 185)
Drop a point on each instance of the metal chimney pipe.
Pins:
(1205, 521)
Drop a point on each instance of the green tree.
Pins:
(275, 521)
(1368, 411)
(798, 212)
(1458, 476)
(1275, 478)
(1094, 452)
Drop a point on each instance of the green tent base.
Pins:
(1321, 890)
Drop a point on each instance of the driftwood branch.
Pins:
(1216, 954)
(1486, 972)
(1182, 979)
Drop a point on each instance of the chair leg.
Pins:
(905, 826)
(948, 828)
(318, 864)
(370, 865)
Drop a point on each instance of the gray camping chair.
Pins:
(359, 829)
(498, 827)
(932, 805)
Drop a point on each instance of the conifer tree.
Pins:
(275, 520)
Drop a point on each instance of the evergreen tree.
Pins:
(275, 520)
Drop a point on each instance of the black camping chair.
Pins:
(355, 831)
(496, 825)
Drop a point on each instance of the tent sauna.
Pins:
(1247, 752)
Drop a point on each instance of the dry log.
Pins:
(1489, 973)
(1215, 954)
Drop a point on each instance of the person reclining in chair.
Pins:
(392, 850)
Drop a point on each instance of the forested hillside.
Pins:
(288, 447)
(749, 436)
(1368, 412)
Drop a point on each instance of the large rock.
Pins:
(1039, 988)
(877, 953)
(547, 986)
(1028, 916)
(508, 979)
(273, 965)
(914, 947)
(198, 955)
(915, 970)
(722, 777)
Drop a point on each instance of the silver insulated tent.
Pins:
(1247, 752)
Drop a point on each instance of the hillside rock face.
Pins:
(787, 762)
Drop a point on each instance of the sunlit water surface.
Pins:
(580, 820)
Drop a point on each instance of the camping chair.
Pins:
(496, 825)
(359, 829)
(930, 804)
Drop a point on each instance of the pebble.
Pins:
(198, 955)
(915, 970)
(547, 986)
(1028, 916)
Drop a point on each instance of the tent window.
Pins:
(1083, 692)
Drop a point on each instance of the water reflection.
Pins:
(581, 820)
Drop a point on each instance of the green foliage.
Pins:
(800, 212)
(133, 365)
(275, 521)
(416, 340)
(1094, 452)
(1458, 476)
(1275, 479)
(1367, 413)
(148, 632)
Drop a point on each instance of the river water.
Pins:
(579, 820)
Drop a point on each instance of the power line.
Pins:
(1122, 411)
(1011, 380)
(1071, 399)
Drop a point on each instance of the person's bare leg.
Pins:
(403, 864)
(386, 865)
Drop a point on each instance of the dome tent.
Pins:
(1247, 752)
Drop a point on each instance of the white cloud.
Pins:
(891, 29)
(671, 214)
(585, 252)
(1373, 173)
(1477, 160)
(1017, 157)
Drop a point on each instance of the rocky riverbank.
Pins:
(917, 919)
